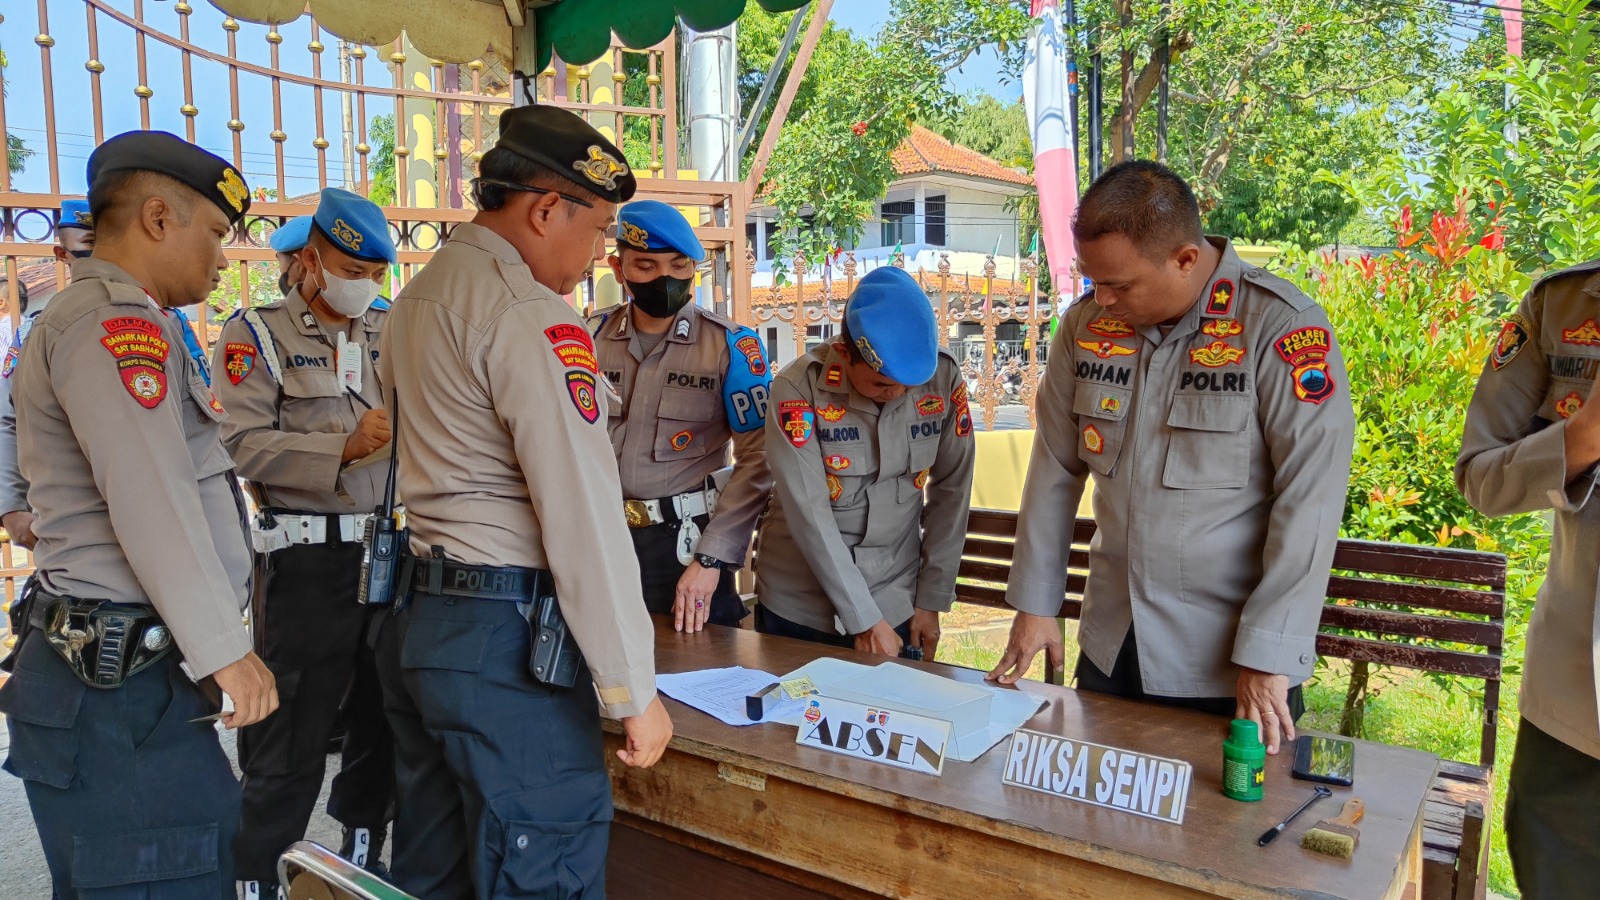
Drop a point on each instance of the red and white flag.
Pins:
(1055, 159)
(1511, 12)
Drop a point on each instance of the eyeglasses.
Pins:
(528, 188)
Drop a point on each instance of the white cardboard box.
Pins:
(965, 707)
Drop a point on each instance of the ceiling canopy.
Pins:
(462, 30)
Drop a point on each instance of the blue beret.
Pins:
(355, 225)
(891, 321)
(75, 214)
(207, 174)
(655, 227)
(291, 235)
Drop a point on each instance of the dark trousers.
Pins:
(312, 635)
(502, 782)
(769, 622)
(131, 800)
(1551, 804)
(659, 569)
(1124, 680)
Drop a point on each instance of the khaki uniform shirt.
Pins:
(289, 438)
(1513, 460)
(702, 389)
(120, 442)
(13, 487)
(504, 460)
(1220, 454)
(869, 505)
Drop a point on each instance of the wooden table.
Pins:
(744, 812)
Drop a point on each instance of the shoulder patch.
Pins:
(797, 420)
(1306, 351)
(239, 360)
(1514, 334)
(747, 383)
(10, 365)
(141, 355)
(581, 387)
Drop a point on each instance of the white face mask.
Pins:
(348, 297)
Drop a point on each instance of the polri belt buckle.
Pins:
(637, 513)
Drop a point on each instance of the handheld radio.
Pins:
(384, 538)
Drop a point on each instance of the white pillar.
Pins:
(713, 101)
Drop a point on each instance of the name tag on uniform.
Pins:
(349, 353)
(1149, 786)
(873, 733)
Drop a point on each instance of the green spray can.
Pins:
(1244, 762)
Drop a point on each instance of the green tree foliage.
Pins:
(833, 160)
(16, 152)
(1538, 179)
(380, 168)
(1267, 93)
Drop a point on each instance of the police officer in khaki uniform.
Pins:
(74, 241)
(691, 384)
(870, 443)
(300, 380)
(512, 498)
(1532, 443)
(142, 546)
(1210, 403)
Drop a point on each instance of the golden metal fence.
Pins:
(972, 311)
(291, 85)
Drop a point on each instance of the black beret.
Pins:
(167, 154)
(566, 144)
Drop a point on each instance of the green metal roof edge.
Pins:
(580, 30)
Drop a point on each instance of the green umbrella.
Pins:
(580, 30)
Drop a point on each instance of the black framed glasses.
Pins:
(528, 188)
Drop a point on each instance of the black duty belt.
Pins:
(442, 577)
(104, 643)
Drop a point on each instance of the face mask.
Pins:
(80, 254)
(345, 296)
(283, 283)
(661, 298)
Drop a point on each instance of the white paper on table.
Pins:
(721, 693)
(1011, 707)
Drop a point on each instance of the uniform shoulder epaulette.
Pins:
(1086, 295)
(723, 321)
(271, 304)
(949, 354)
(1279, 287)
(597, 320)
(1589, 268)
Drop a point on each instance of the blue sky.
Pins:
(74, 128)
(981, 73)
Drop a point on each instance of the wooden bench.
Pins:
(1381, 609)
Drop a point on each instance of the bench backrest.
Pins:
(1381, 608)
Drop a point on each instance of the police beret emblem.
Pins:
(83, 218)
(869, 355)
(233, 189)
(634, 236)
(344, 234)
(601, 168)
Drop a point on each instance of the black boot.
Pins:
(364, 847)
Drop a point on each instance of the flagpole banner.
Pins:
(1511, 12)
(1055, 159)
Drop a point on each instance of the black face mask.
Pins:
(283, 284)
(661, 298)
(80, 254)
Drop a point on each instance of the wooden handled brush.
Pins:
(1339, 836)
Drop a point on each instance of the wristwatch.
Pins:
(709, 562)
